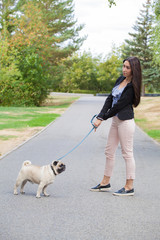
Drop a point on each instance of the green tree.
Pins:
(37, 36)
(23, 77)
(111, 2)
(63, 33)
(82, 73)
(30, 31)
(7, 11)
(156, 32)
(156, 43)
(110, 70)
(140, 45)
(23, 81)
(9, 72)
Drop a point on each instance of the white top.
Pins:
(116, 93)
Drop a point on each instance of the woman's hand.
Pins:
(97, 123)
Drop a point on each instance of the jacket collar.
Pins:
(121, 80)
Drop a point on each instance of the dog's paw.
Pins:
(22, 192)
(46, 195)
(15, 193)
(38, 196)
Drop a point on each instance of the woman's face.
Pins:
(127, 72)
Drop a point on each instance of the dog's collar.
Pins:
(53, 170)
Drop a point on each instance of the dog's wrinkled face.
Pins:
(58, 166)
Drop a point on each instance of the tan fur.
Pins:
(43, 176)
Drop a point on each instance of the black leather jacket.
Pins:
(123, 107)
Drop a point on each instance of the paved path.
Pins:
(72, 212)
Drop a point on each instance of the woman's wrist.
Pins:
(99, 118)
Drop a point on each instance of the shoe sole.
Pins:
(100, 190)
(123, 194)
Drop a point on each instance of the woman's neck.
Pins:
(128, 80)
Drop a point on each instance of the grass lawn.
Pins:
(147, 116)
(20, 118)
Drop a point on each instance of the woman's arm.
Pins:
(107, 105)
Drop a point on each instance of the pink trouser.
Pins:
(120, 131)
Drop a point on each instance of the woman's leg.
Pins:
(110, 150)
(126, 132)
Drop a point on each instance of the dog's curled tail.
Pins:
(26, 163)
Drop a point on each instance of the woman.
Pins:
(125, 94)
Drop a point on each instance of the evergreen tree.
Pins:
(63, 31)
(140, 45)
(156, 44)
(156, 32)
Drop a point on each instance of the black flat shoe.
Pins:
(100, 188)
(123, 192)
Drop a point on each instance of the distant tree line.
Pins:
(38, 52)
(87, 74)
(83, 72)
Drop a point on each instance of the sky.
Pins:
(106, 26)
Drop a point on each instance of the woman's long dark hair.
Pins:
(136, 78)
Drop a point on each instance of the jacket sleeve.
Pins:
(125, 99)
(107, 105)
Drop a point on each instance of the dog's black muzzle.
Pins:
(61, 169)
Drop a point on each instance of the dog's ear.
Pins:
(55, 163)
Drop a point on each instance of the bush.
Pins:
(34, 83)
(23, 83)
(9, 85)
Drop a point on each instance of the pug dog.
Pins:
(43, 176)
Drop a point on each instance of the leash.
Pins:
(81, 140)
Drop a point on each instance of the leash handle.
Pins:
(92, 121)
